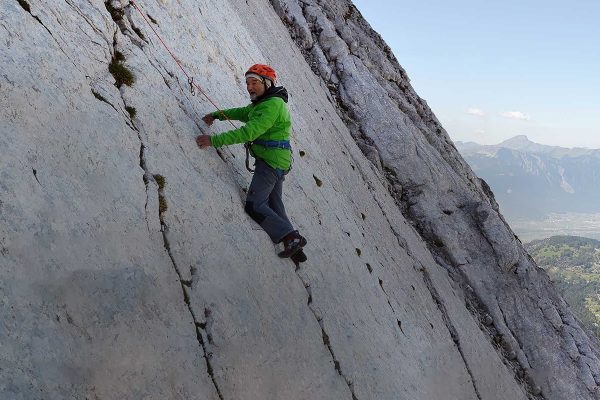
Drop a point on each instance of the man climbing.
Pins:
(267, 133)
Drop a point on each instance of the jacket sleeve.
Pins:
(236, 114)
(263, 118)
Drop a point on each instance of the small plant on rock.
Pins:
(115, 13)
(121, 74)
(160, 180)
(132, 111)
(162, 204)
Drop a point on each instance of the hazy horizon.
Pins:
(504, 140)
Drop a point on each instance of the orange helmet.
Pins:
(264, 71)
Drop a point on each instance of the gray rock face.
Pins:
(130, 271)
(449, 207)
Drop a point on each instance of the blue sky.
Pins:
(493, 70)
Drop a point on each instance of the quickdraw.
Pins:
(192, 89)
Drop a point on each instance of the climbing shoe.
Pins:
(299, 257)
(292, 244)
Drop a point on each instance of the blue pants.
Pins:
(264, 204)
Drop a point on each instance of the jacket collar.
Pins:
(273, 91)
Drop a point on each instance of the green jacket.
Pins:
(267, 119)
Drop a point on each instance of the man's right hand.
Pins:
(208, 119)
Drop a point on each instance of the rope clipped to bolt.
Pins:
(193, 85)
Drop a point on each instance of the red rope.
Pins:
(190, 78)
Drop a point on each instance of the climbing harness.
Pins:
(277, 144)
(274, 144)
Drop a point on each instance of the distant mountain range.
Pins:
(532, 180)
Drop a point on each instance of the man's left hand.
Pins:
(203, 141)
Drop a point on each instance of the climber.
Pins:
(266, 132)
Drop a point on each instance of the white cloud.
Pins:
(516, 115)
(480, 132)
(475, 111)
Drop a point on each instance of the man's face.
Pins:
(255, 87)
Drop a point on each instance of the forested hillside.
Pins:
(573, 263)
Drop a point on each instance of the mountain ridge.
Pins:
(522, 143)
(535, 180)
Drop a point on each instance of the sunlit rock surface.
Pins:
(129, 269)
